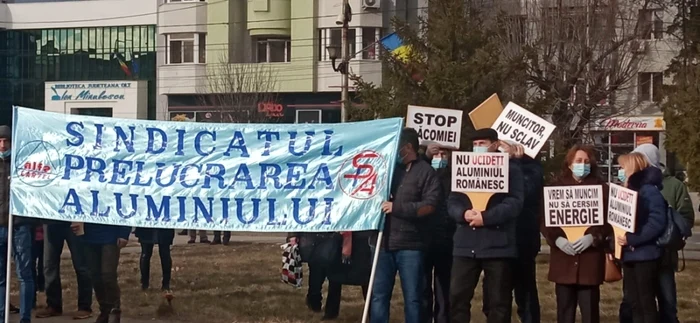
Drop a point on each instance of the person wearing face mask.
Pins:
(438, 262)
(415, 197)
(21, 238)
(676, 195)
(578, 269)
(641, 254)
(486, 241)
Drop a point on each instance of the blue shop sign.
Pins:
(89, 91)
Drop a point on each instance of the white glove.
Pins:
(564, 245)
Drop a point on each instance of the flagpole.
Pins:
(8, 272)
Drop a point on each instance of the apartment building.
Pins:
(281, 43)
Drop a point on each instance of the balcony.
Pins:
(270, 17)
(182, 17)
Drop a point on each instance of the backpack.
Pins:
(676, 232)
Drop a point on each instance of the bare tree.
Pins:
(241, 93)
(579, 58)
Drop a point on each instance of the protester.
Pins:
(38, 260)
(438, 259)
(21, 238)
(416, 195)
(202, 236)
(578, 269)
(103, 244)
(486, 241)
(641, 254)
(528, 237)
(676, 195)
(320, 251)
(148, 238)
(217, 238)
(56, 233)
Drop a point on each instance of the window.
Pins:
(651, 24)
(649, 87)
(186, 48)
(274, 50)
(370, 42)
(335, 39)
(308, 116)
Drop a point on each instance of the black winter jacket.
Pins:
(528, 228)
(497, 238)
(414, 189)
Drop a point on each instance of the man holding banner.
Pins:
(416, 195)
(485, 240)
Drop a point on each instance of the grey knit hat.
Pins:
(5, 132)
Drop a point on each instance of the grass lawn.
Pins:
(240, 283)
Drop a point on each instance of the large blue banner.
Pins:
(236, 177)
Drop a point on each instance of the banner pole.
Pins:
(8, 271)
(365, 312)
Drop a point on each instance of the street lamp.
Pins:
(333, 55)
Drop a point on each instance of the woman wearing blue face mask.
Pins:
(640, 254)
(578, 268)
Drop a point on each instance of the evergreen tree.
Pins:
(681, 106)
(454, 62)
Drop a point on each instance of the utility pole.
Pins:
(345, 81)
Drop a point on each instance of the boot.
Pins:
(115, 316)
(103, 317)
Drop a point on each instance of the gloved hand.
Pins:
(583, 243)
(564, 245)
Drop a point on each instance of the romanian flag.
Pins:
(395, 45)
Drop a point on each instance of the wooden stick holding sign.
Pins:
(523, 127)
(622, 213)
(479, 176)
(574, 209)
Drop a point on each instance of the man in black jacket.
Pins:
(485, 241)
(416, 194)
(438, 261)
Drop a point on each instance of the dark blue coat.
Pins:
(528, 228)
(105, 234)
(651, 216)
(497, 238)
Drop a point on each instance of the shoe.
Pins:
(314, 307)
(182, 233)
(204, 241)
(329, 317)
(47, 312)
(191, 241)
(216, 242)
(115, 316)
(82, 314)
(168, 294)
(103, 317)
(14, 309)
(227, 241)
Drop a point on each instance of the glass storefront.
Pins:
(28, 58)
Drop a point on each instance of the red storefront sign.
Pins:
(271, 109)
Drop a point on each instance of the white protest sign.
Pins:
(574, 206)
(622, 208)
(480, 172)
(523, 127)
(440, 126)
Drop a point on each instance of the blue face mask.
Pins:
(479, 149)
(438, 163)
(621, 175)
(5, 154)
(580, 170)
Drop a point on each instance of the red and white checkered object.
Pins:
(292, 272)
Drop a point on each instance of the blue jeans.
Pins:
(22, 251)
(409, 264)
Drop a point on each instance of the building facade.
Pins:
(74, 61)
(279, 47)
